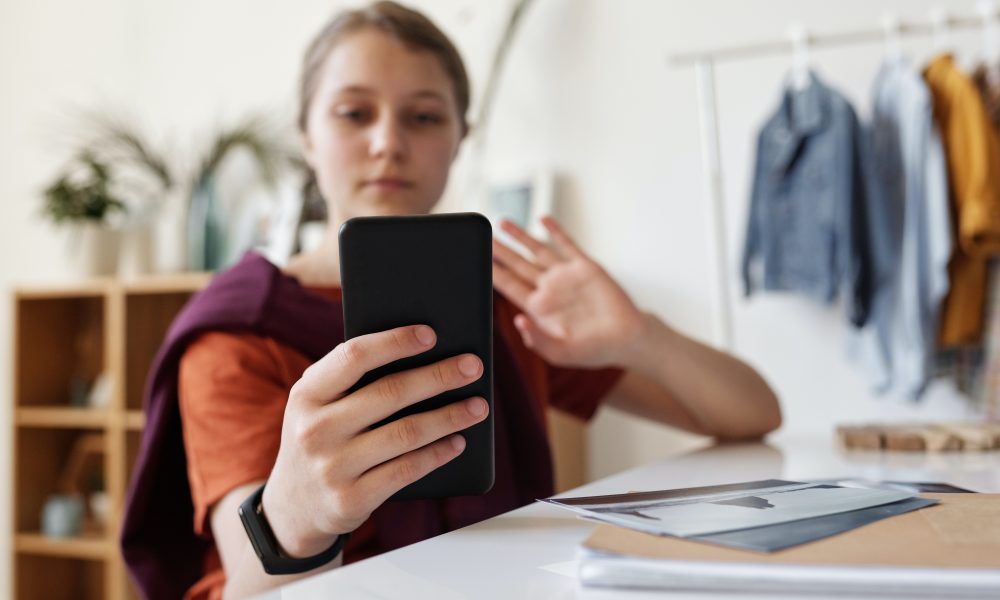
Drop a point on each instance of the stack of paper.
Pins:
(948, 550)
(760, 515)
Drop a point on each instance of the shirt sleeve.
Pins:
(858, 265)
(979, 209)
(579, 392)
(232, 392)
(752, 241)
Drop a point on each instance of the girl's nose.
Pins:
(388, 141)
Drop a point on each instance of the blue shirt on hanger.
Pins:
(910, 170)
(808, 228)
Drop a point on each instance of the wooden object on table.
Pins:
(861, 436)
(921, 437)
(64, 334)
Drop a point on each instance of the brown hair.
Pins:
(406, 25)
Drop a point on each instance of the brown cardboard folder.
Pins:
(952, 548)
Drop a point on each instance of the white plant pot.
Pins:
(92, 249)
(136, 256)
(169, 234)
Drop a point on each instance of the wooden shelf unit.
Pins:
(64, 335)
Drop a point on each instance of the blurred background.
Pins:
(589, 113)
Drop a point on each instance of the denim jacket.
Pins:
(808, 225)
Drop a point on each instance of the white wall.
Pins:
(587, 91)
(590, 91)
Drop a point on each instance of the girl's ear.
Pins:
(308, 152)
(461, 139)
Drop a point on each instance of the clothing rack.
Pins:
(797, 42)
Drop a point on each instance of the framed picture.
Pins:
(523, 198)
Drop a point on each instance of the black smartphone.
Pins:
(434, 270)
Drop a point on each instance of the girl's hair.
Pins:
(404, 24)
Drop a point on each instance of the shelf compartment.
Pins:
(58, 577)
(45, 457)
(59, 346)
(147, 318)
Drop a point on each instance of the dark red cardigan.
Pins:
(163, 554)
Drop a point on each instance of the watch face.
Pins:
(253, 522)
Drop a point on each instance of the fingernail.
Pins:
(458, 443)
(469, 366)
(425, 335)
(476, 406)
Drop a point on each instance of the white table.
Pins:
(529, 552)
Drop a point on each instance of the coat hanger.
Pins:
(892, 28)
(941, 30)
(987, 9)
(799, 77)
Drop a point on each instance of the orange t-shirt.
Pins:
(232, 392)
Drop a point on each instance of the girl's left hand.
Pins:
(574, 313)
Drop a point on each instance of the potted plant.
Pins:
(105, 191)
(145, 180)
(82, 199)
(110, 191)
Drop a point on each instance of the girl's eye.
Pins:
(426, 118)
(353, 114)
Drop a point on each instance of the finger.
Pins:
(527, 333)
(544, 256)
(536, 338)
(388, 478)
(390, 394)
(331, 376)
(522, 267)
(510, 285)
(415, 431)
(564, 243)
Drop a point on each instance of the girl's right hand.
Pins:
(332, 471)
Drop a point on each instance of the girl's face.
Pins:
(382, 128)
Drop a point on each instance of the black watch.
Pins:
(266, 545)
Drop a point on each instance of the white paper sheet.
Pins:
(684, 518)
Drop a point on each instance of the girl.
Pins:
(262, 383)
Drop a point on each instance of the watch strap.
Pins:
(265, 544)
